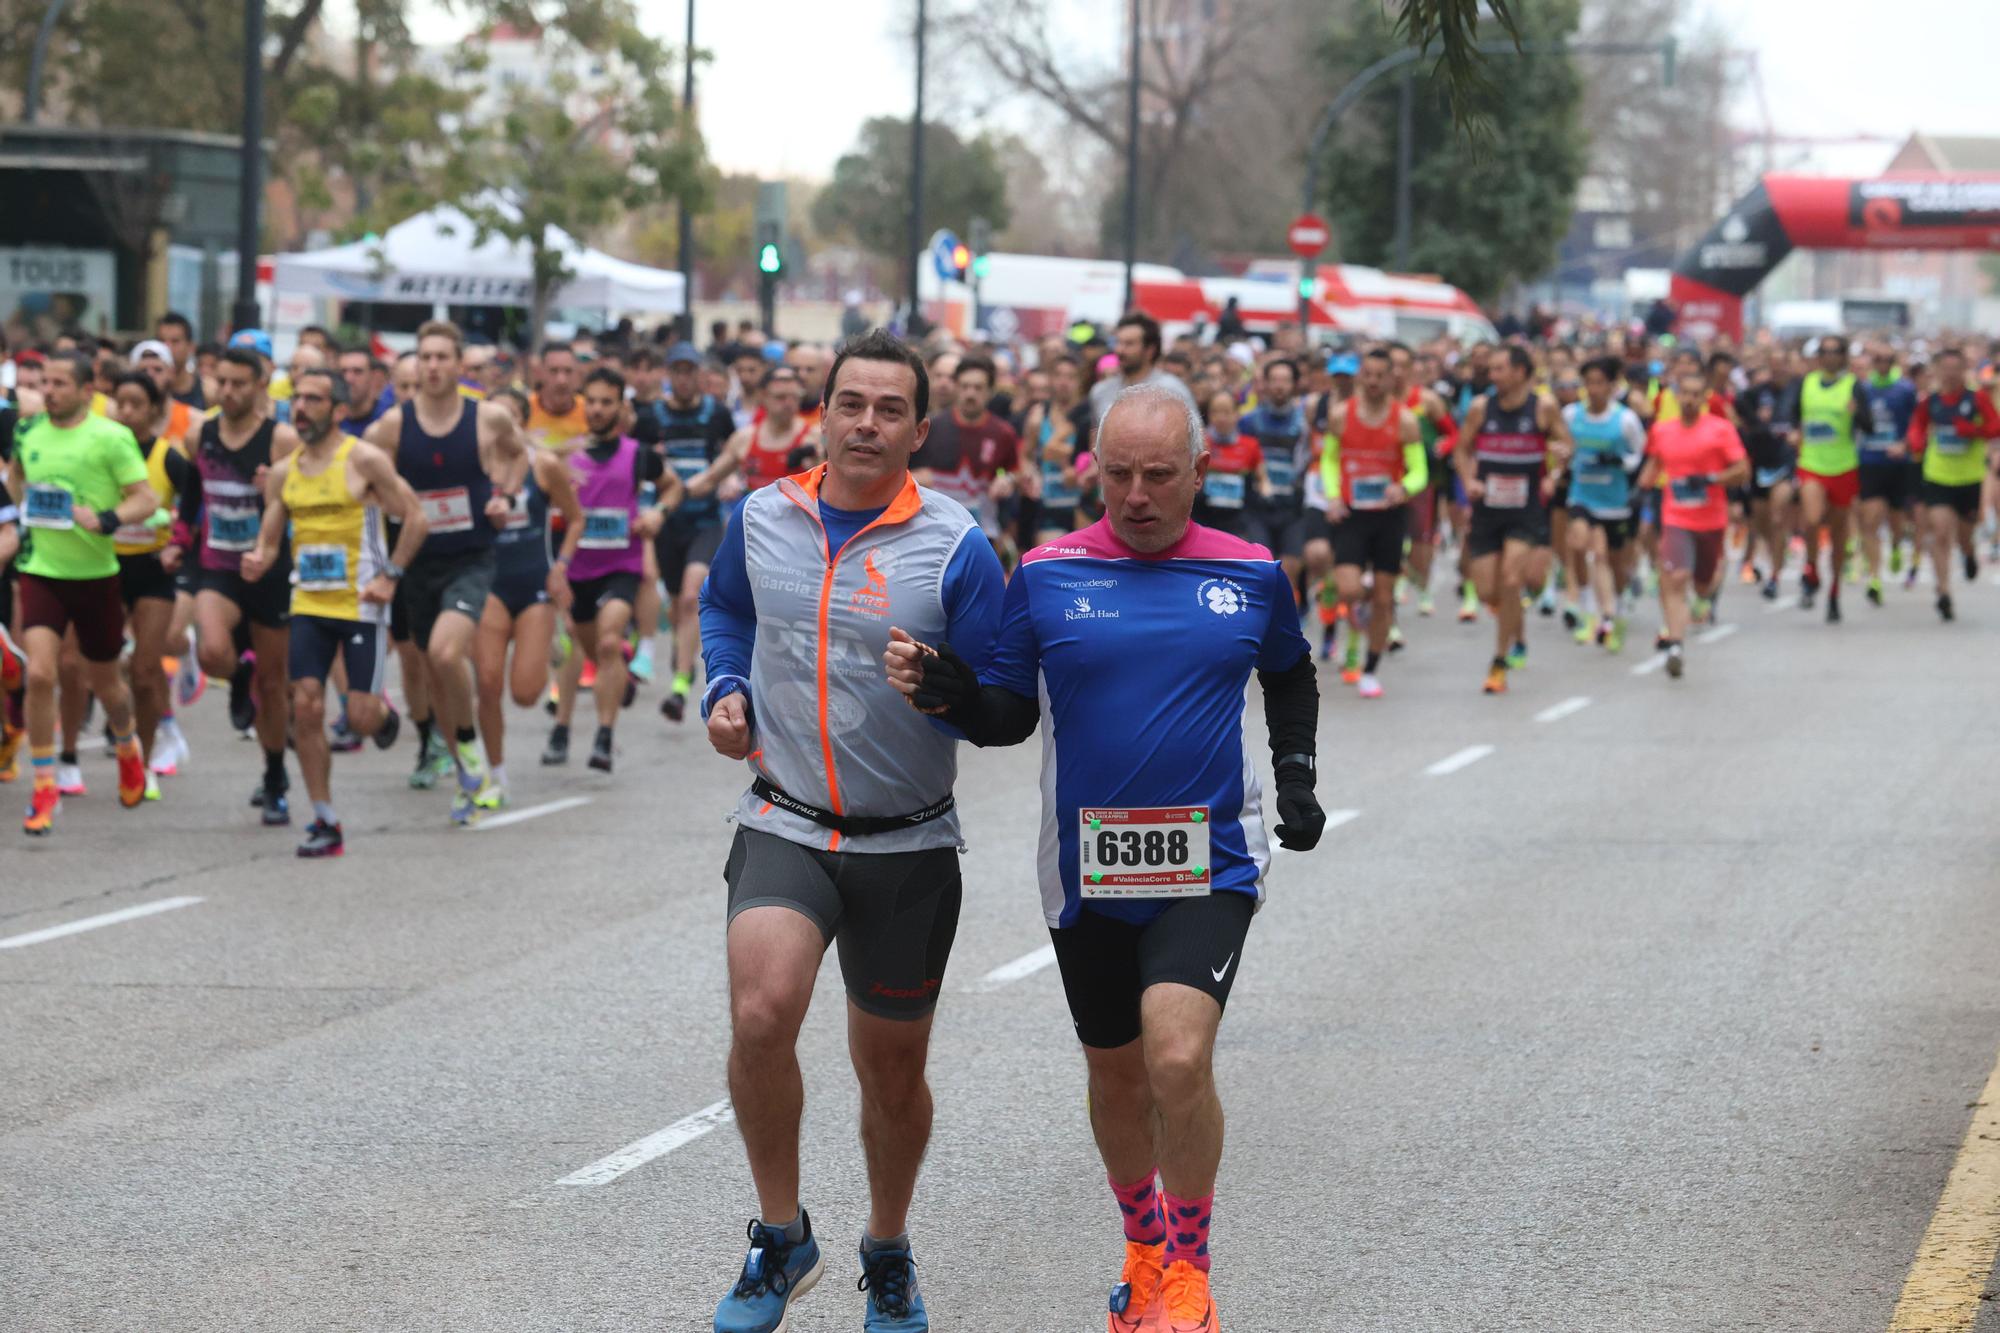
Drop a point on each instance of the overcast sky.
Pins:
(792, 80)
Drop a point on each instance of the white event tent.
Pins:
(431, 259)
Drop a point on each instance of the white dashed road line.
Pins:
(633, 1155)
(529, 812)
(1470, 755)
(1715, 633)
(94, 922)
(1557, 712)
(1007, 973)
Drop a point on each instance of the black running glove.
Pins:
(949, 684)
(1300, 820)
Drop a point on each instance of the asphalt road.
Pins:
(1664, 1012)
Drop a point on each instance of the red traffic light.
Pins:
(961, 257)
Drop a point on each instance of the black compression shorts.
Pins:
(892, 915)
(1108, 963)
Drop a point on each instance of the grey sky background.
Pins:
(792, 80)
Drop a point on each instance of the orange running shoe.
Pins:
(42, 809)
(1188, 1306)
(131, 774)
(1496, 679)
(1135, 1301)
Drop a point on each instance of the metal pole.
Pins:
(1406, 118)
(31, 104)
(245, 313)
(686, 225)
(1132, 160)
(916, 237)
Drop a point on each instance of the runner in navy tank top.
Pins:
(1511, 436)
(465, 460)
(221, 510)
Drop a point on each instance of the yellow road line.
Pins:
(1955, 1259)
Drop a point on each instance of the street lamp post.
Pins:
(1132, 160)
(244, 315)
(686, 226)
(915, 244)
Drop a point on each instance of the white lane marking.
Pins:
(1650, 665)
(1715, 633)
(1334, 819)
(1557, 712)
(530, 812)
(677, 1135)
(1007, 973)
(1471, 754)
(94, 922)
(1774, 608)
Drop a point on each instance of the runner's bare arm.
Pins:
(394, 497)
(553, 476)
(725, 463)
(284, 442)
(503, 447)
(386, 431)
(258, 559)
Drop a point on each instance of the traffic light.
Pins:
(770, 249)
(982, 247)
(1305, 287)
(961, 260)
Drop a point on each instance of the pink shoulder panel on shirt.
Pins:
(1099, 542)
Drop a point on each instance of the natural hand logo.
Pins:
(1083, 605)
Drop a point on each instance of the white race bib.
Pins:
(1689, 490)
(321, 568)
(517, 513)
(1371, 492)
(1507, 491)
(232, 526)
(48, 505)
(606, 530)
(1157, 852)
(448, 510)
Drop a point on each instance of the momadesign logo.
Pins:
(1222, 596)
(873, 596)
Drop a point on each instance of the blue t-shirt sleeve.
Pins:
(728, 618)
(1017, 657)
(1283, 644)
(974, 587)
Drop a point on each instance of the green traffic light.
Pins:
(1306, 288)
(768, 260)
(982, 266)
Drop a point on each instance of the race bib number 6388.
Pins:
(1152, 852)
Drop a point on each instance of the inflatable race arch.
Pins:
(1783, 213)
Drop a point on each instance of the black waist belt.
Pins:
(853, 826)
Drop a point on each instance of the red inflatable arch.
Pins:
(1903, 212)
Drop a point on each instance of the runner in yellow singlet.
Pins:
(335, 492)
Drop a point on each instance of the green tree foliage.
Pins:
(600, 134)
(869, 198)
(1490, 198)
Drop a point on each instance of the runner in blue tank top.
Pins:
(465, 460)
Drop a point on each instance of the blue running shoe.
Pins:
(894, 1303)
(775, 1274)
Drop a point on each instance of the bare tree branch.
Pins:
(295, 36)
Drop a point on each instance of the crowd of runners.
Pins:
(1017, 539)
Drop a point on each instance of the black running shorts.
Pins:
(1107, 964)
(893, 915)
